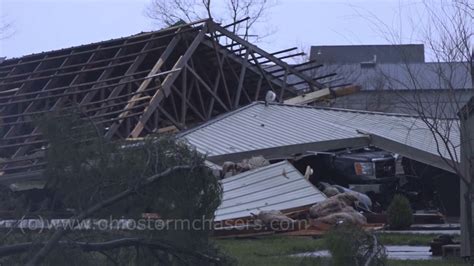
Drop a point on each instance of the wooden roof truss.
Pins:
(173, 78)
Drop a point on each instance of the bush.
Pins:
(399, 213)
(351, 245)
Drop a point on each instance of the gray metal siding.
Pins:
(363, 53)
(419, 76)
(406, 101)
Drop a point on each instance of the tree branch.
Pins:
(107, 245)
(38, 257)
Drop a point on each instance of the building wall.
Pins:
(409, 53)
(405, 101)
(398, 81)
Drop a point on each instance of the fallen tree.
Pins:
(99, 179)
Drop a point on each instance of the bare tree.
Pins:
(250, 12)
(6, 29)
(436, 91)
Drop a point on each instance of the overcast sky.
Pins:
(43, 25)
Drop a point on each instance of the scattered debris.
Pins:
(438, 243)
(338, 208)
(231, 168)
(331, 205)
(347, 215)
(269, 217)
(393, 253)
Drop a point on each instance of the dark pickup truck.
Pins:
(366, 170)
(355, 166)
(361, 166)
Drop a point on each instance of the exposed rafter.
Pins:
(165, 80)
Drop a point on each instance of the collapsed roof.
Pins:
(277, 186)
(158, 81)
(275, 130)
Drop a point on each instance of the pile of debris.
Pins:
(288, 197)
(277, 198)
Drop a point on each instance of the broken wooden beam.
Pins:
(322, 94)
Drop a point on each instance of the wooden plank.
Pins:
(31, 104)
(167, 130)
(89, 64)
(189, 104)
(241, 79)
(283, 57)
(220, 61)
(264, 74)
(308, 97)
(23, 95)
(21, 88)
(313, 84)
(211, 91)
(73, 73)
(259, 86)
(216, 85)
(279, 52)
(15, 177)
(123, 96)
(256, 68)
(168, 81)
(162, 34)
(322, 94)
(170, 117)
(285, 82)
(199, 93)
(9, 91)
(59, 101)
(156, 68)
(123, 82)
(184, 95)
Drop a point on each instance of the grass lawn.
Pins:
(273, 250)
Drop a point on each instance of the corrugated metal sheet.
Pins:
(275, 187)
(257, 126)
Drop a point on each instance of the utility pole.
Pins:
(467, 167)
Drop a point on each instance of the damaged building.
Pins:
(234, 102)
(156, 82)
(335, 142)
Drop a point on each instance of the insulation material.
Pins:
(338, 208)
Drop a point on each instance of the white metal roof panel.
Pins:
(258, 126)
(275, 187)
